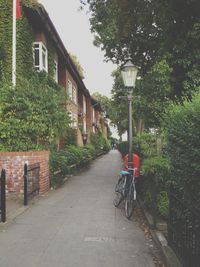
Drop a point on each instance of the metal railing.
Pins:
(184, 229)
(3, 196)
(31, 181)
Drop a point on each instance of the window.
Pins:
(74, 95)
(74, 118)
(70, 89)
(84, 125)
(55, 71)
(84, 104)
(40, 56)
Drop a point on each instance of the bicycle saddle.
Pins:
(124, 173)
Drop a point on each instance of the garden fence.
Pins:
(31, 181)
(184, 229)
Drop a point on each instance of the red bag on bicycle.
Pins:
(136, 164)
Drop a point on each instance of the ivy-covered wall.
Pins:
(25, 39)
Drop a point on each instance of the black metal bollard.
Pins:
(25, 185)
(3, 196)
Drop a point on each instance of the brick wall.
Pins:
(13, 163)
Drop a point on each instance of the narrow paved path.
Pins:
(77, 226)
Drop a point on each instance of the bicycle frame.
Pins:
(126, 183)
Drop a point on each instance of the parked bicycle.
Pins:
(125, 190)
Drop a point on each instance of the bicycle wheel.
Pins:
(119, 190)
(130, 202)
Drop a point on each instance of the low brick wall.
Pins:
(13, 163)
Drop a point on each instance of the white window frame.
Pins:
(55, 71)
(70, 89)
(43, 56)
(84, 105)
(74, 118)
(74, 94)
(84, 125)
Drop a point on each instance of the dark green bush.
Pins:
(90, 150)
(157, 168)
(99, 142)
(183, 148)
(71, 137)
(106, 145)
(68, 161)
(94, 139)
(155, 180)
(33, 114)
(144, 145)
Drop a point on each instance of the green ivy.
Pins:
(99, 142)
(25, 39)
(70, 137)
(33, 114)
(6, 35)
(51, 52)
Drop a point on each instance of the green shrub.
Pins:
(75, 154)
(68, 161)
(183, 148)
(155, 179)
(90, 150)
(94, 141)
(71, 137)
(32, 115)
(100, 143)
(106, 145)
(144, 145)
(156, 168)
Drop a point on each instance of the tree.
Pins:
(124, 28)
(78, 65)
(147, 31)
(153, 95)
(103, 100)
(150, 99)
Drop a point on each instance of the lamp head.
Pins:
(129, 74)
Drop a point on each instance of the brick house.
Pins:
(39, 47)
(80, 104)
(46, 52)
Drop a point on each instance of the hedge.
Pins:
(70, 160)
(183, 148)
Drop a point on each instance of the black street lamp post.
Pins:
(129, 74)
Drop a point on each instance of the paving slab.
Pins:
(77, 226)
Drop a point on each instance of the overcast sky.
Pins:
(74, 29)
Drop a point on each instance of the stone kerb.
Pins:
(13, 163)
